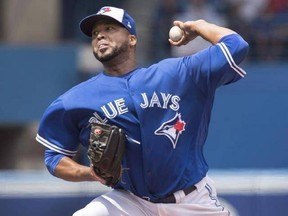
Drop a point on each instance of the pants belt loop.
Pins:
(179, 195)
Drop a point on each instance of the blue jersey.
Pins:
(164, 110)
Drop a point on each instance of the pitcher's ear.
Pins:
(132, 40)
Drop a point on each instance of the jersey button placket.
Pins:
(131, 92)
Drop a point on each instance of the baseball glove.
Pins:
(105, 152)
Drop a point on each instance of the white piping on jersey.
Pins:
(54, 147)
(133, 140)
(230, 60)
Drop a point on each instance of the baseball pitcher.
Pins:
(144, 127)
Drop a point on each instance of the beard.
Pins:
(114, 53)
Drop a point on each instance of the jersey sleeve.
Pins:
(57, 131)
(219, 64)
(52, 159)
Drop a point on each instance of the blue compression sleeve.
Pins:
(52, 159)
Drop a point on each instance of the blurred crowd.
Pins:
(263, 23)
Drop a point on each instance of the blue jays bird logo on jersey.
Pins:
(172, 129)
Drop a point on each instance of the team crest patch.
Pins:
(172, 129)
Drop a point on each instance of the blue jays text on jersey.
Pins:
(164, 110)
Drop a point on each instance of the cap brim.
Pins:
(88, 23)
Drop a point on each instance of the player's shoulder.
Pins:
(168, 64)
(77, 91)
(68, 100)
(83, 85)
(166, 67)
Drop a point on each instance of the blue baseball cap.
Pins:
(121, 16)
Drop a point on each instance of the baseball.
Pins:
(175, 33)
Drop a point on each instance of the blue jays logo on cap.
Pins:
(172, 129)
(118, 14)
(104, 9)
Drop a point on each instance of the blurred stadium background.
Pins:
(43, 54)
